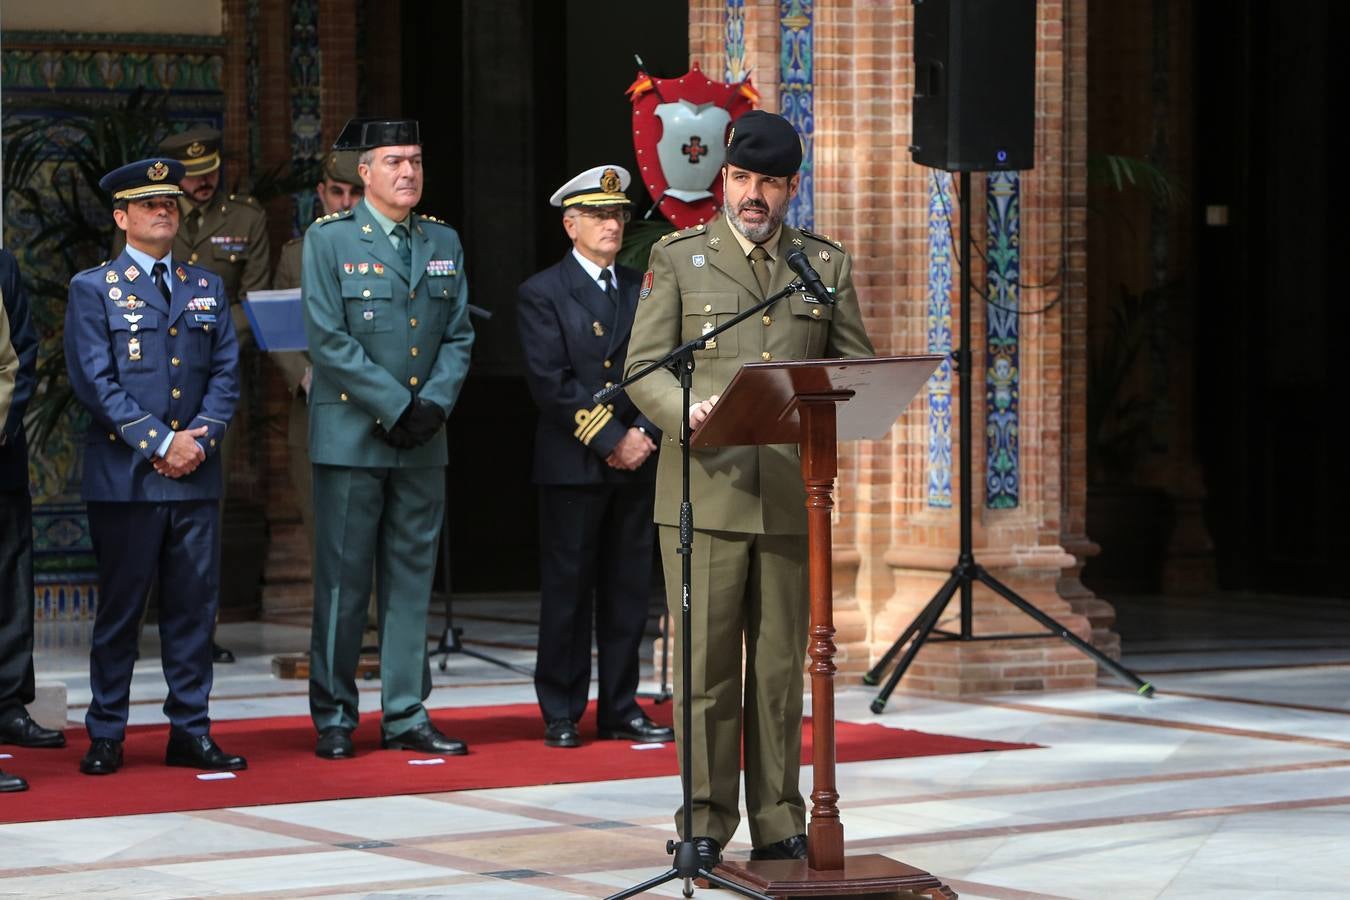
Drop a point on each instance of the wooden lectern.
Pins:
(814, 403)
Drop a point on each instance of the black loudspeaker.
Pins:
(974, 84)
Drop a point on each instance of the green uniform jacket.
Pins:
(699, 277)
(379, 333)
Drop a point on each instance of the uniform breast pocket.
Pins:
(136, 341)
(442, 287)
(230, 253)
(812, 322)
(704, 311)
(369, 305)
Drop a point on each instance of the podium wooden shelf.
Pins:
(814, 403)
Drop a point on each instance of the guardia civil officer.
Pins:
(750, 548)
(387, 321)
(227, 234)
(595, 467)
(18, 375)
(338, 190)
(152, 356)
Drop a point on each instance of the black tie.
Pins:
(404, 244)
(159, 274)
(611, 291)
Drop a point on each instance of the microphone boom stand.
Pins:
(680, 362)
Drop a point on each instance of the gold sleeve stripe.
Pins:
(590, 421)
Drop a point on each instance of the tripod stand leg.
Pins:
(924, 624)
(1143, 688)
(873, 676)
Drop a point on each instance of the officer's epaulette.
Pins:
(333, 217)
(246, 198)
(102, 265)
(683, 233)
(824, 238)
(423, 217)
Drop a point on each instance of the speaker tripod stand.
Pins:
(967, 571)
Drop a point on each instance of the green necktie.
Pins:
(404, 244)
(759, 264)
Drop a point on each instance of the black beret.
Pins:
(766, 143)
(364, 134)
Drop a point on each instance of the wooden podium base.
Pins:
(870, 875)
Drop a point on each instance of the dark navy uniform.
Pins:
(144, 367)
(595, 520)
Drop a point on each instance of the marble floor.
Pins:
(1233, 781)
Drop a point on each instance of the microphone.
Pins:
(798, 262)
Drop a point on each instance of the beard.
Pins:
(759, 232)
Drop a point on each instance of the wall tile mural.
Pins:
(940, 340)
(1002, 375)
(796, 100)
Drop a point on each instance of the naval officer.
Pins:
(749, 559)
(595, 465)
(387, 321)
(152, 356)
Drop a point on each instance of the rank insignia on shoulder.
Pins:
(181, 273)
(714, 242)
(365, 229)
(824, 256)
(647, 281)
(110, 277)
(798, 242)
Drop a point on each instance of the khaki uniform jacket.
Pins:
(699, 277)
(292, 363)
(380, 332)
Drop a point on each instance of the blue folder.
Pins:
(277, 318)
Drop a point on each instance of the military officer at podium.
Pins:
(387, 320)
(750, 549)
(152, 356)
(595, 465)
(339, 190)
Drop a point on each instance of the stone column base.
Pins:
(48, 708)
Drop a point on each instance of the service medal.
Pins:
(114, 293)
(110, 277)
(134, 349)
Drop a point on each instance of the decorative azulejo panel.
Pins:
(1002, 375)
(796, 102)
(940, 340)
(734, 41)
(306, 113)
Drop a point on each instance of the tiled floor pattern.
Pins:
(1234, 781)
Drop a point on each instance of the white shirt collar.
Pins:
(593, 270)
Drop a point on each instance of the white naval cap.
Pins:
(600, 186)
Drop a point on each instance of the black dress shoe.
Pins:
(198, 751)
(22, 730)
(425, 739)
(334, 743)
(562, 733)
(104, 757)
(788, 848)
(641, 729)
(221, 654)
(11, 783)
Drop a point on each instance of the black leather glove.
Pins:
(399, 437)
(422, 420)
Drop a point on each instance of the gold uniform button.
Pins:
(413, 381)
(767, 320)
(173, 332)
(609, 406)
(342, 397)
(412, 323)
(206, 328)
(766, 355)
(609, 384)
(233, 257)
(608, 364)
(111, 436)
(173, 424)
(413, 351)
(815, 314)
(176, 361)
(707, 307)
(192, 258)
(213, 442)
(412, 295)
(176, 393)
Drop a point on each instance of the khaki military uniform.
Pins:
(750, 551)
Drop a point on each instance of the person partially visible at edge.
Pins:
(151, 354)
(749, 581)
(387, 323)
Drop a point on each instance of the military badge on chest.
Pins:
(440, 267)
(134, 349)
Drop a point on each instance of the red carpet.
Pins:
(506, 749)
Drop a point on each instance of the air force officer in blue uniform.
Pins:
(595, 464)
(152, 355)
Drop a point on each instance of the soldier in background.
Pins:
(226, 234)
(338, 191)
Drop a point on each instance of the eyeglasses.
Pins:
(601, 213)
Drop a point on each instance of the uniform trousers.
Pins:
(16, 602)
(595, 554)
(388, 519)
(134, 542)
(746, 590)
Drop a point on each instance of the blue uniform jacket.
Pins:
(574, 341)
(143, 367)
(14, 452)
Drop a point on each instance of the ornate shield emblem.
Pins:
(680, 134)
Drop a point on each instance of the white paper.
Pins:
(214, 776)
(427, 762)
(656, 746)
